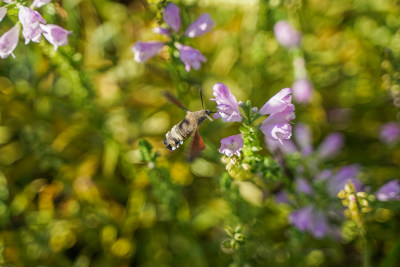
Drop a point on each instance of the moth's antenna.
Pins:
(201, 97)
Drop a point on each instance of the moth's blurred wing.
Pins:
(174, 100)
(197, 146)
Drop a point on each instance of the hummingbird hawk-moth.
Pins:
(184, 129)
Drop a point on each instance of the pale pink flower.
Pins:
(40, 3)
(286, 35)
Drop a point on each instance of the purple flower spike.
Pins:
(331, 146)
(278, 102)
(201, 26)
(389, 191)
(286, 35)
(9, 41)
(171, 17)
(302, 90)
(30, 21)
(190, 57)
(3, 13)
(56, 35)
(40, 3)
(145, 50)
(227, 105)
(390, 133)
(231, 145)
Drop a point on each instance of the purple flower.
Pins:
(311, 220)
(303, 138)
(276, 126)
(171, 17)
(40, 3)
(302, 90)
(201, 26)
(145, 50)
(287, 146)
(389, 191)
(30, 21)
(330, 146)
(278, 102)
(227, 105)
(286, 35)
(231, 145)
(162, 31)
(303, 186)
(3, 13)
(343, 177)
(9, 41)
(281, 197)
(56, 35)
(190, 57)
(390, 133)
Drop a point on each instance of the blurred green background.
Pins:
(74, 189)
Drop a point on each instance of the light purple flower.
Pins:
(3, 13)
(231, 145)
(281, 197)
(201, 26)
(278, 102)
(55, 34)
(9, 41)
(145, 50)
(276, 126)
(303, 186)
(390, 133)
(302, 90)
(227, 105)
(287, 146)
(331, 146)
(303, 138)
(286, 35)
(389, 191)
(40, 3)
(190, 57)
(171, 17)
(311, 220)
(343, 177)
(30, 20)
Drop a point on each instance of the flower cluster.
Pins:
(191, 57)
(290, 38)
(33, 27)
(275, 127)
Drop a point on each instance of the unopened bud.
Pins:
(362, 194)
(255, 109)
(240, 103)
(341, 194)
(238, 237)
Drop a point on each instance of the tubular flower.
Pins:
(190, 57)
(231, 145)
(9, 41)
(145, 50)
(227, 105)
(277, 127)
(286, 35)
(55, 34)
(389, 191)
(31, 21)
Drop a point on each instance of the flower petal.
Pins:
(201, 26)
(145, 50)
(172, 17)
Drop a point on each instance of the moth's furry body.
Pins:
(181, 131)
